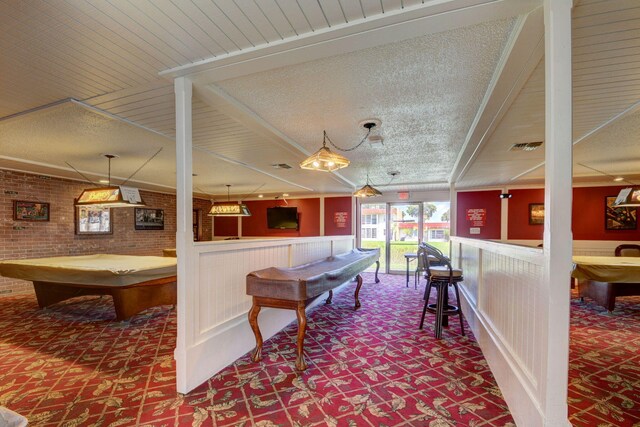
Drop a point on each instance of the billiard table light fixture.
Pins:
(229, 208)
(628, 197)
(110, 196)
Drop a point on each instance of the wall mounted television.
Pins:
(283, 218)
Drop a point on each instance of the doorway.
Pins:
(403, 235)
(397, 229)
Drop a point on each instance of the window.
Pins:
(369, 233)
(435, 235)
(370, 219)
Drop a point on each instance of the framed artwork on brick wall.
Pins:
(93, 220)
(30, 211)
(149, 219)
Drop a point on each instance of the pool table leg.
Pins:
(377, 269)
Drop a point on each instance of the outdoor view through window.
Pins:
(396, 229)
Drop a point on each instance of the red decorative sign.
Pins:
(477, 217)
(340, 219)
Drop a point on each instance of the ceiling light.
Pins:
(260, 196)
(104, 181)
(628, 197)
(618, 179)
(229, 208)
(116, 196)
(367, 191)
(326, 160)
(285, 194)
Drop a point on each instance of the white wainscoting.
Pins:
(503, 301)
(216, 331)
(583, 247)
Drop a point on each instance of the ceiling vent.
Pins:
(525, 146)
(281, 166)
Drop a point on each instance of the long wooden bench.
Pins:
(293, 288)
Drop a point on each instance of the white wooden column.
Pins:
(184, 229)
(558, 200)
(504, 217)
(453, 208)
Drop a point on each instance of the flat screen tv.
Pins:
(282, 218)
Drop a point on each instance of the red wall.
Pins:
(225, 226)
(308, 214)
(589, 212)
(331, 206)
(518, 222)
(489, 200)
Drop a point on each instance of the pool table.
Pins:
(135, 282)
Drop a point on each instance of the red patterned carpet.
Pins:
(74, 366)
(604, 364)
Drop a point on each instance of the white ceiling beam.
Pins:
(521, 55)
(428, 18)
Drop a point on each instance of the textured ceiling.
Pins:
(408, 85)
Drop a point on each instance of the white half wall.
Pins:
(217, 330)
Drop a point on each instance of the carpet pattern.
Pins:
(72, 365)
(604, 364)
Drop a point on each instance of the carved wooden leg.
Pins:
(377, 269)
(253, 321)
(328, 300)
(302, 326)
(359, 279)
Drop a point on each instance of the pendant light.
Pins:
(628, 197)
(229, 208)
(367, 191)
(111, 196)
(326, 160)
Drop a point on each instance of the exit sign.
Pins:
(403, 195)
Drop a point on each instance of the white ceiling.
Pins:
(455, 83)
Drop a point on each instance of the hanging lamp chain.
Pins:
(326, 138)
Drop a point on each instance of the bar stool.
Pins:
(441, 277)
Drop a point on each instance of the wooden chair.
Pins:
(628, 250)
(441, 277)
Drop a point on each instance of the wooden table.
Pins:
(603, 278)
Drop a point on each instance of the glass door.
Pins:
(404, 233)
(373, 230)
(436, 224)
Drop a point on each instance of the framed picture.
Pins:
(93, 220)
(30, 211)
(536, 213)
(619, 218)
(149, 219)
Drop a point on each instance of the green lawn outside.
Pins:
(398, 249)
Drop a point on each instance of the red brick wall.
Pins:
(25, 239)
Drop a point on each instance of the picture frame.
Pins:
(30, 211)
(622, 218)
(536, 213)
(93, 220)
(149, 219)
